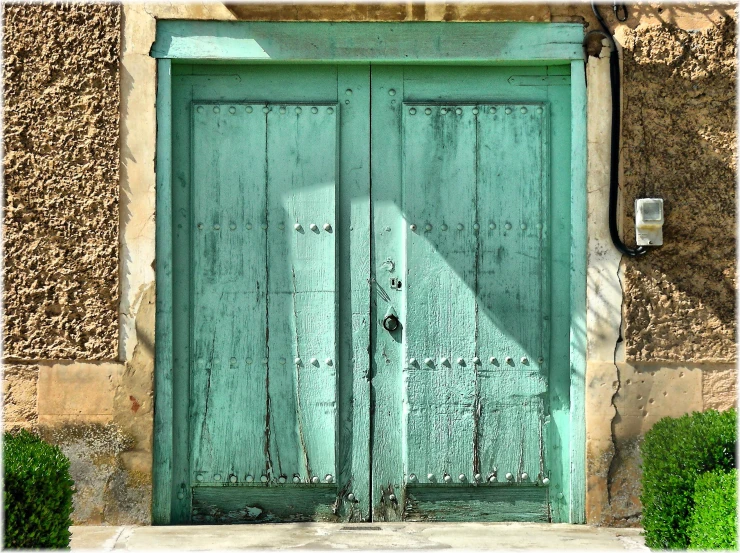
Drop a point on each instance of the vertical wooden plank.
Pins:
(229, 314)
(162, 467)
(578, 245)
(513, 291)
(301, 301)
(558, 451)
(386, 257)
(181, 304)
(440, 283)
(353, 244)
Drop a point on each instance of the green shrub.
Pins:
(674, 453)
(713, 523)
(37, 492)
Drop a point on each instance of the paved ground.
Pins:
(465, 535)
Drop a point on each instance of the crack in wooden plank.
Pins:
(299, 410)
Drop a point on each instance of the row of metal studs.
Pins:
(313, 226)
(329, 478)
(314, 361)
(327, 227)
(412, 111)
(250, 109)
(459, 111)
(477, 477)
(412, 361)
(475, 360)
(428, 227)
(264, 478)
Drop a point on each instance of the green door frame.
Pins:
(411, 43)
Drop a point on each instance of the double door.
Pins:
(366, 312)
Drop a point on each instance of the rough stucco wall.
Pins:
(678, 143)
(60, 227)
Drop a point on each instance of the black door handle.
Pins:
(391, 323)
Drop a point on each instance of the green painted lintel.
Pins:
(355, 42)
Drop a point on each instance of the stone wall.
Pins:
(79, 294)
(675, 351)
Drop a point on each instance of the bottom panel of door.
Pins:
(252, 504)
(502, 503)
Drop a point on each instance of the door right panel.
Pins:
(466, 233)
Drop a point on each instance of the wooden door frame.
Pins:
(409, 43)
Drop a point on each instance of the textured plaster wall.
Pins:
(61, 77)
(60, 73)
(679, 142)
(87, 383)
(674, 352)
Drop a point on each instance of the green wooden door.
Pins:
(298, 231)
(271, 255)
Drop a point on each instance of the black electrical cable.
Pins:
(617, 7)
(614, 167)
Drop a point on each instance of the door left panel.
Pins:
(256, 226)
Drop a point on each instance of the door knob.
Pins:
(391, 323)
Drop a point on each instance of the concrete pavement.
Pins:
(461, 535)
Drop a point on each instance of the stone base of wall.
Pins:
(623, 402)
(101, 416)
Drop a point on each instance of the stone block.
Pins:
(648, 393)
(19, 396)
(78, 391)
(719, 387)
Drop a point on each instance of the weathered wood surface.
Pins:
(435, 42)
(264, 321)
(469, 294)
(386, 262)
(497, 503)
(353, 254)
(557, 454)
(246, 293)
(162, 481)
(369, 414)
(228, 398)
(475, 203)
(251, 504)
(181, 297)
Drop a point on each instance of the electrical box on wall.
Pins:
(649, 221)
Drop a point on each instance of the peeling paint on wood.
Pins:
(264, 291)
(262, 315)
(239, 505)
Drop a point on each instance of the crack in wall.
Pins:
(613, 435)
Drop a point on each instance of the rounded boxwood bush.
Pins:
(713, 523)
(675, 452)
(37, 493)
